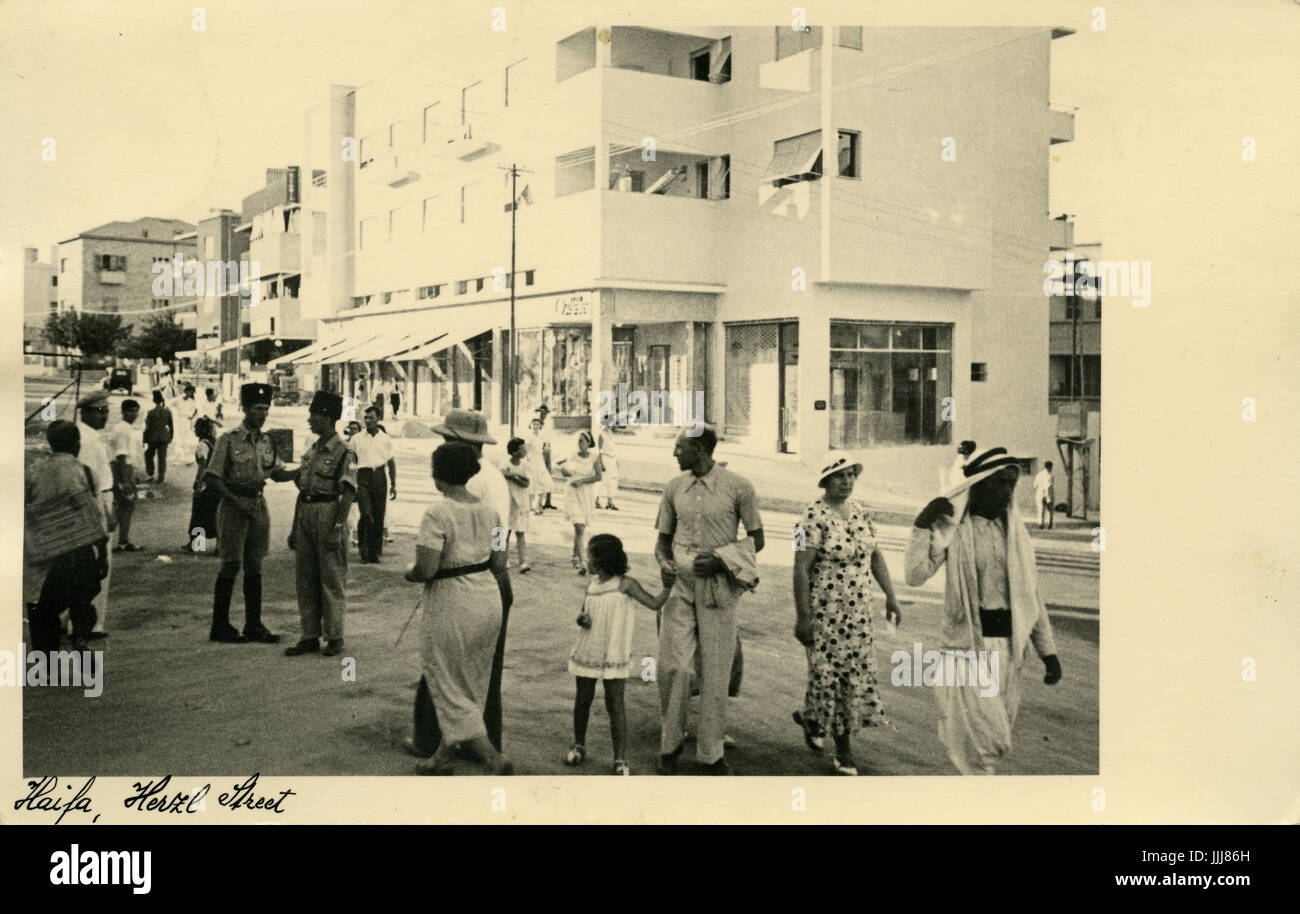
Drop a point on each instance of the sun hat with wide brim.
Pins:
(980, 468)
(464, 425)
(834, 462)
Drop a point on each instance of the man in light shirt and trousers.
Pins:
(376, 483)
(94, 455)
(126, 447)
(1045, 495)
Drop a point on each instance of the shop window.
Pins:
(889, 383)
(979, 371)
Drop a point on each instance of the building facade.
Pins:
(40, 300)
(831, 238)
(1074, 374)
(111, 268)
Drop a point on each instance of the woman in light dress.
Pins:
(465, 589)
(538, 472)
(581, 471)
(608, 465)
(184, 411)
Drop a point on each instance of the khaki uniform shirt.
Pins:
(326, 467)
(701, 513)
(243, 457)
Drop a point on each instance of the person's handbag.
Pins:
(58, 525)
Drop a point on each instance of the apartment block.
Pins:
(836, 235)
(40, 299)
(221, 317)
(111, 267)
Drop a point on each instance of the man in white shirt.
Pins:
(94, 455)
(126, 447)
(376, 482)
(489, 485)
(1045, 495)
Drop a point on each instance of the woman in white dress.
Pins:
(539, 474)
(581, 471)
(608, 466)
(184, 411)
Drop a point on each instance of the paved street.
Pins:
(175, 703)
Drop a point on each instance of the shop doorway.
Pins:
(789, 361)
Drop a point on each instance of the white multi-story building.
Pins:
(837, 235)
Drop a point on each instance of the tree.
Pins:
(93, 334)
(160, 337)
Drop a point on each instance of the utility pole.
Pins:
(514, 346)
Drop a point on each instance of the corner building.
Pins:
(837, 235)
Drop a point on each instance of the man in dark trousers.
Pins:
(327, 484)
(241, 463)
(158, 433)
(376, 484)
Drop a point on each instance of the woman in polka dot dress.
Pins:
(832, 594)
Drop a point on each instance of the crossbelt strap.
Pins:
(462, 570)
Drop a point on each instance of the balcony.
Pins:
(467, 147)
(112, 277)
(391, 169)
(276, 253)
(660, 237)
(657, 104)
(1061, 124)
(678, 55)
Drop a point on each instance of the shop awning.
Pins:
(241, 342)
(303, 354)
(344, 353)
(391, 347)
(795, 159)
(188, 354)
(446, 341)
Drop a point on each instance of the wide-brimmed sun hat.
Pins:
(834, 462)
(465, 425)
(994, 460)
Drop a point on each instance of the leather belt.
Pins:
(317, 499)
(462, 570)
(245, 491)
(995, 623)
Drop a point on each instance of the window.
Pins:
(1074, 377)
(462, 286)
(464, 203)
(848, 153)
(54, 306)
(700, 65)
(796, 158)
(702, 180)
(429, 119)
(63, 265)
(429, 292)
(789, 42)
(112, 263)
(365, 152)
(54, 280)
(979, 371)
(364, 228)
(161, 302)
(360, 301)
(889, 383)
(1097, 309)
(508, 69)
(479, 283)
(393, 134)
(467, 99)
(849, 36)
(388, 298)
(528, 277)
(427, 213)
(1073, 309)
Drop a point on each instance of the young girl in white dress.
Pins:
(603, 650)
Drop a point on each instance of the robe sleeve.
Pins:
(923, 556)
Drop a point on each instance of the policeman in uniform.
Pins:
(327, 485)
(242, 460)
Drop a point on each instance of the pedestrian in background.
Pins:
(1045, 496)
(158, 434)
(127, 450)
(376, 484)
(608, 464)
(546, 434)
(327, 486)
(581, 471)
(539, 469)
(206, 498)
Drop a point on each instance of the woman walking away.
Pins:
(465, 588)
(832, 598)
(515, 471)
(582, 472)
(604, 647)
(202, 530)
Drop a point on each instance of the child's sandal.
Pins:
(576, 755)
(620, 767)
